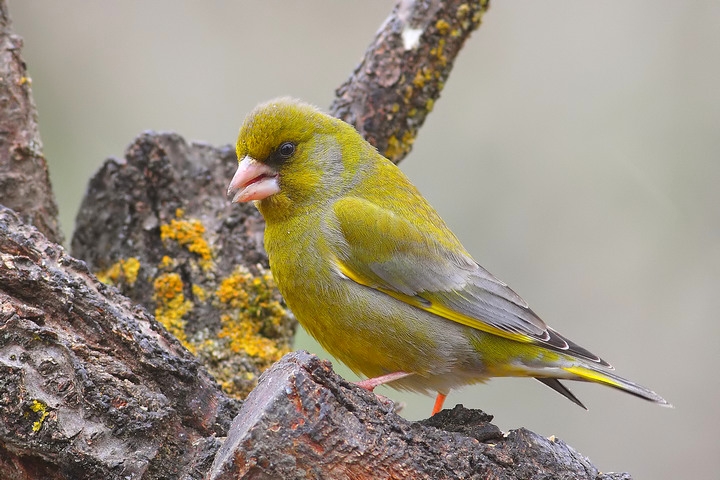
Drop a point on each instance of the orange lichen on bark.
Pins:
(171, 306)
(189, 234)
(254, 309)
(122, 271)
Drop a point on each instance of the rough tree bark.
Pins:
(395, 86)
(303, 421)
(24, 181)
(91, 386)
(94, 386)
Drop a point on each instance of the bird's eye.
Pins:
(286, 149)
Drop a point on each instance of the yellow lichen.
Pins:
(408, 139)
(243, 334)
(166, 262)
(39, 407)
(253, 306)
(131, 268)
(393, 149)
(462, 11)
(442, 26)
(439, 53)
(190, 235)
(419, 80)
(122, 271)
(397, 147)
(477, 17)
(423, 76)
(110, 275)
(199, 293)
(407, 92)
(171, 305)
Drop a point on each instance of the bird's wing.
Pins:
(424, 265)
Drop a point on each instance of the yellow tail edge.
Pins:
(611, 380)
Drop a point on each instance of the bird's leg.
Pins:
(371, 383)
(439, 401)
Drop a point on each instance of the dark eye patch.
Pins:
(281, 154)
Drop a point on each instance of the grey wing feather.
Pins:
(464, 286)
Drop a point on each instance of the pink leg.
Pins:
(371, 383)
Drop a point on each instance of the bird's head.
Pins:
(291, 155)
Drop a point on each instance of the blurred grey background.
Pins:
(575, 151)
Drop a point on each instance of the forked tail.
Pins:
(605, 377)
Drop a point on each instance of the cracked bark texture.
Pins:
(303, 421)
(24, 180)
(92, 386)
(163, 207)
(395, 86)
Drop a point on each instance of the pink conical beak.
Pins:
(253, 181)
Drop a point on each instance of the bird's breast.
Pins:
(368, 330)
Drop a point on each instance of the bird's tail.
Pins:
(589, 373)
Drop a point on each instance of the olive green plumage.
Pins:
(371, 271)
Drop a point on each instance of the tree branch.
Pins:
(24, 180)
(92, 386)
(394, 88)
(303, 421)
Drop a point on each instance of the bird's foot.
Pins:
(371, 383)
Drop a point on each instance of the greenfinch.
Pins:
(371, 271)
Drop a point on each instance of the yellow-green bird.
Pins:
(371, 271)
